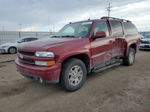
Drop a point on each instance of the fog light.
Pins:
(44, 63)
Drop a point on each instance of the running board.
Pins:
(107, 66)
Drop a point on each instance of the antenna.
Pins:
(108, 9)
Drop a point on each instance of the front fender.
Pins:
(67, 55)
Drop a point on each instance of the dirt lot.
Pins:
(7, 57)
(120, 89)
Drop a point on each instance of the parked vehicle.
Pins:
(77, 49)
(145, 42)
(45, 37)
(11, 47)
(141, 36)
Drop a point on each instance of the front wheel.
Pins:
(129, 60)
(12, 50)
(73, 74)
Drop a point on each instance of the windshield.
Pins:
(20, 40)
(75, 30)
(148, 36)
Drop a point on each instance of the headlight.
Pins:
(45, 54)
(45, 63)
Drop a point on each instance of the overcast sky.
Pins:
(42, 15)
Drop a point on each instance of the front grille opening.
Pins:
(27, 61)
(145, 42)
(26, 53)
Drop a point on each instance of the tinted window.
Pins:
(116, 28)
(30, 39)
(147, 36)
(101, 26)
(129, 28)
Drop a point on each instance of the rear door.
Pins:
(101, 47)
(118, 46)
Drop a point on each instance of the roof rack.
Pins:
(113, 18)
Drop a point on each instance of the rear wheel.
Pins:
(12, 50)
(73, 74)
(129, 60)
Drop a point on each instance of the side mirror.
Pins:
(100, 34)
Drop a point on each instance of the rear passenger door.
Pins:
(119, 40)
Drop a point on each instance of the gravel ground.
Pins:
(119, 89)
(7, 57)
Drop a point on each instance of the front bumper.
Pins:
(3, 50)
(144, 46)
(47, 74)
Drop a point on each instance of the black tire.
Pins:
(69, 81)
(130, 59)
(12, 50)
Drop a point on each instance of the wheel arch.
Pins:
(83, 57)
(132, 45)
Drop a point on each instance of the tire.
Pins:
(130, 59)
(12, 50)
(73, 74)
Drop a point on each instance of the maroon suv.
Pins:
(77, 49)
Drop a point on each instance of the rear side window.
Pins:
(101, 26)
(129, 28)
(116, 28)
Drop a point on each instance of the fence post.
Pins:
(36, 34)
(19, 34)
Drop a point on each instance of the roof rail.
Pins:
(113, 18)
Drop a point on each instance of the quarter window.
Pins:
(101, 26)
(116, 28)
(129, 28)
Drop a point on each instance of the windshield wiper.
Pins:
(55, 36)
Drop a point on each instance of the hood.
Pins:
(9, 44)
(45, 44)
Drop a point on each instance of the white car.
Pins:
(145, 42)
(11, 47)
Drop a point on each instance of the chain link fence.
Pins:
(8, 36)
